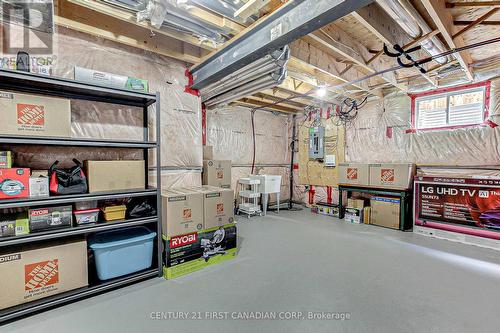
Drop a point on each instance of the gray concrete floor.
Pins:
(388, 281)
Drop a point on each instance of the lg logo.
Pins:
(29, 26)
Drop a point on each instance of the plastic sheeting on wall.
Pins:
(229, 131)
(177, 178)
(368, 141)
(180, 113)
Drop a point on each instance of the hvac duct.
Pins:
(261, 67)
(265, 82)
(407, 17)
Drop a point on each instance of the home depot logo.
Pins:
(186, 213)
(220, 208)
(352, 173)
(30, 115)
(220, 174)
(41, 274)
(387, 175)
(183, 240)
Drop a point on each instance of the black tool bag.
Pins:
(67, 181)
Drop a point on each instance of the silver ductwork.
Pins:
(264, 73)
(408, 18)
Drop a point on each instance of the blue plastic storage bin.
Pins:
(121, 252)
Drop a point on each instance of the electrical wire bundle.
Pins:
(348, 110)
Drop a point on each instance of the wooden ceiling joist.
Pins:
(375, 19)
(444, 21)
(250, 102)
(82, 19)
(472, 4)
(129, 17)
(250, 8)
(476, 22)
(339, 42)
(482, 23)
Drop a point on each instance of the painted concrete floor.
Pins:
(295, 263)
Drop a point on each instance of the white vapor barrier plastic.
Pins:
(181, 112)
(177, 178)
(229, 131)
(368, 140)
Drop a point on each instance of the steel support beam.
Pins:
(290, 22)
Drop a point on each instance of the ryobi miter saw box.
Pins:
(194, 251)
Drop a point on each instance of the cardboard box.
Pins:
(353, 173)
(324, 208)
(50, 218)
(33, 115)
(104, 176)
(367, 212)
(14, 183)
(182, 211)
(218, 206)
(355, 203)
(385, 212)
(40, 173)
(32, 273)
(189, 253)
(5, 159)
(39, 187)
(14, 224)
(111, 80)
(353, 215)
(208, 152)
(395, 175)
(217, 173)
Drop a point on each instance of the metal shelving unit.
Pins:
(59, 87)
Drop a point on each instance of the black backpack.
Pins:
(67, 181)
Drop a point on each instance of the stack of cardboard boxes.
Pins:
(215, 172)
(383, 211)
(198, 228)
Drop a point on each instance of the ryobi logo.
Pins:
(352, 173)
(183, 240)
(41, 274)
(31, 115)
(39, 212)
(387, 175)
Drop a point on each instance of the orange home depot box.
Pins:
(37, 272)
(34, 115)
(217, 173)
(353, 173)
(394, 175)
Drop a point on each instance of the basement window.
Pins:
(451, 108)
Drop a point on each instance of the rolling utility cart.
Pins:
(404, 195)
(58, 87)
(249, 196)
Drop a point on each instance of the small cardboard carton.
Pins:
(34, 115)
(355, 203)
(104, 176)
(218, 206)
(30, 273)
(217, 173)
(385, 212)
(367, 211)
(39, 187)
(14, 183)
(353, 173)
(182, 212)
(353, 215)
(394, 175)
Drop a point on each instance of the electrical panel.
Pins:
(317, 142)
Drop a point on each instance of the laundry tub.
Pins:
(121, 252)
